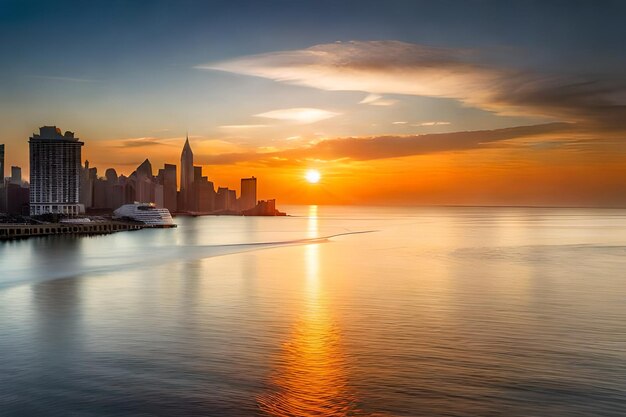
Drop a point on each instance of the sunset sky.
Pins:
(393, 102)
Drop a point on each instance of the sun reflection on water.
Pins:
(310, 378)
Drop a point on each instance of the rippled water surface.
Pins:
(434, 312)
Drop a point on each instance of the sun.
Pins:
(313, 176)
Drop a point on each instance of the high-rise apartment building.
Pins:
(55, 166)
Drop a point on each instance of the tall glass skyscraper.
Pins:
(55, 165)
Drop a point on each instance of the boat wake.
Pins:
(61, 267)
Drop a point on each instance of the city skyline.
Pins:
(62, 185)
(524, 113)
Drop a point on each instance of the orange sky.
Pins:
(385, 122)
(553, 169)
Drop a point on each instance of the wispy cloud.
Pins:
(141, 142)
(431, 124)
(382, 147)
(393, 67)
(377, 100)
(68, 79)
(243, 126)
(299, 115)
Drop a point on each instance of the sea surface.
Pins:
(332, 311)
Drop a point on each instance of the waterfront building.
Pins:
(15, 199)
(225, 200)
(206, 195)
(88, 178)
(264, 208)
(55, 167)
(248, 193)
(232, 201)
(114, 191)
(144, 183)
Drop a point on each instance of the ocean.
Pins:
(332, 311)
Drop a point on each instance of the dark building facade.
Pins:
(16, 175)
(186, 178)
(55, 167)
(1, 165)
(169, 188)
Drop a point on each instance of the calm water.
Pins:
(436, 312)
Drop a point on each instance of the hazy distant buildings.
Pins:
(13, 191)
(225, 200)
(144, 183)
(168, 180)
(55, 167)
(16, 176)
(204, 192)
(114, 190)
(186, 178)
(248, 193)
(264, 208)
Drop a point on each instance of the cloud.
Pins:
(141, 142)
(299, 115)
(431, 124)
(393, 67)
(381, 147)
(399, 123)
(243, 126)
(377, 100)
(68, 79)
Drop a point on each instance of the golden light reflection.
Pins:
(312, 227)
(311, 376)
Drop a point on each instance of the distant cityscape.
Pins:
(61, 185)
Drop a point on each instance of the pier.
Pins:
(14, 231)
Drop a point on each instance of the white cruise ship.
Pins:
(146, 213)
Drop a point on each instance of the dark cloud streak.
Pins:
(382, 147)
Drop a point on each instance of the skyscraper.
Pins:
(1, 165)
(186, 177)
(55, 166)
(169, 188)
(144, 183)
(16, 175)
(248, 193)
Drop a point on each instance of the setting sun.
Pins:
(312, 176)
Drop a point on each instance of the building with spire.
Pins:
(186, 177)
